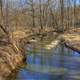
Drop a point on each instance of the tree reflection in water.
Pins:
(58, 64)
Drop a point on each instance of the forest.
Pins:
(25, 21)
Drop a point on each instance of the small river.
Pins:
(59, 63)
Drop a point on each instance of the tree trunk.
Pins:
(62, 14)
(40, 15)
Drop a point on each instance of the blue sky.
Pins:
(19, 3)
(38, 0)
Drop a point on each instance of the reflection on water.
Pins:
(55, 64)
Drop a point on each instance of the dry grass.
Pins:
(72, 38)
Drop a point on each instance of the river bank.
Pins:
(72, 39)
(9, 59)
(46, 58)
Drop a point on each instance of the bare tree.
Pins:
(4, 15)
(5, 27)
(74, 12)
(40, 14)
(30, 3)
(62, 14)
(68, 10)
(33, 12)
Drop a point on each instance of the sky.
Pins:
(19, 3)
(38, 0)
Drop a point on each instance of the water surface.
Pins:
(59, 63)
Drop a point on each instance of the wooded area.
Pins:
(55, 14)
(20, 19)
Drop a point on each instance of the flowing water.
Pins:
(59, 63)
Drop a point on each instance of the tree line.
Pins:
(56, 14)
